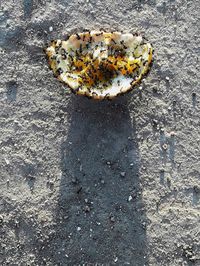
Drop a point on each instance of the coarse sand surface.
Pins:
(99, 183)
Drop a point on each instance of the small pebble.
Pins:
(87, 208)
(155, 122)
(123, 174)
(112, 218)
(164, 146)
(57, 119)
(7, 161)
(167, 78)
(50, 28)
(51, 183)
(17, 224)
(78, 228)
(144, 225)
(115, 259)
(130, 198)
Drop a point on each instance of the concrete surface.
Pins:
(99, 183)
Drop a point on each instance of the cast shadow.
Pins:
(100, 210)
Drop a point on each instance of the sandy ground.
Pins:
(99, 183)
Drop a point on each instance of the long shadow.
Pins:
(100, 210)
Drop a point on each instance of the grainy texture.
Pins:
(113, 183)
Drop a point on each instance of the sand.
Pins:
(99, 183)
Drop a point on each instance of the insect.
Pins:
(98, 64)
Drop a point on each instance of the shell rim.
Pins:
(106, 97)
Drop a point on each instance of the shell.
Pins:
(100, 64)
